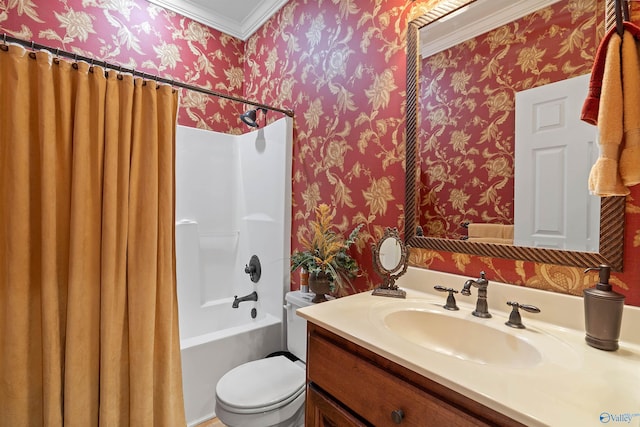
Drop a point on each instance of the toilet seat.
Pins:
(261, 385)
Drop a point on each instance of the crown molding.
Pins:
(216, 17)
(474, 19)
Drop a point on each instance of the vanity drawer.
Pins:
(375, 394)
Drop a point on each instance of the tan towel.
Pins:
(490, 231)
(490, 240)
(485, 230)
(604, 179)
(507, 232)
(630, 156)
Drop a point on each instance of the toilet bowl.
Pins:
(270, 391)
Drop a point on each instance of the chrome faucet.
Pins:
(482, 308)
(253, 296)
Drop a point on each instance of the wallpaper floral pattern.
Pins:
(549, 277)
(468, 94)
(340, 65)
(138, 35)
(337, 64)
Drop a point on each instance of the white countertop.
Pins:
(574, 385)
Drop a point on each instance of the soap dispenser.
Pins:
(602, 312)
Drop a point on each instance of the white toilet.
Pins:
(270, 391)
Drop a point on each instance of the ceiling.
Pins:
(238, 18)
(472, 20)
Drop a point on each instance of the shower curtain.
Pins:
(88, 308)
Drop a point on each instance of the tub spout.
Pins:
(253, 296)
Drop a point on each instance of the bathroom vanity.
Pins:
(349, 385)
(383, 361)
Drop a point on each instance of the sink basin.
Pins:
(462, 338)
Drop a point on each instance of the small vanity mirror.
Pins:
(390, 260)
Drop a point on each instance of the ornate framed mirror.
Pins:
(611, 223)
(390, 260)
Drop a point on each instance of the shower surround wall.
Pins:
(233, 201)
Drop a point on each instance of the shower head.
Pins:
(249, 118)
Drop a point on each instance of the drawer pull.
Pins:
(397, 416)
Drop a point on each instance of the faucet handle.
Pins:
(515, 320)
(482, 281)
(253, 269)
(451, 300)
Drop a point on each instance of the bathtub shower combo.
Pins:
(233, 194)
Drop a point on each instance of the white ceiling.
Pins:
(239, 18)
(472, 20)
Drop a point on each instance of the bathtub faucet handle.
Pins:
(253, 269)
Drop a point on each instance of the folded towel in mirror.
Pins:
(491, 231)
(490, 240)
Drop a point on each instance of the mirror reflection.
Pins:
(390, 253)
(499, 122)
(463, 132)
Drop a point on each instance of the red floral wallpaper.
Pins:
(340, 65)
(468, 94)
(140, 36)
(576, 27)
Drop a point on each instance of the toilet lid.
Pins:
(261, 384)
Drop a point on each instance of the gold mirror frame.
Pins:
(611, 208)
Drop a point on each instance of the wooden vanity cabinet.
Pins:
(348, 385)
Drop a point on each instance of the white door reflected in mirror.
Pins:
(553, 156)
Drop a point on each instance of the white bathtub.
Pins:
(206, 357)
(214, 336)
(233, 201)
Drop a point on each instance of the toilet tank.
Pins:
(296, 325)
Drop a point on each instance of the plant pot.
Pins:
(320, 285)
(304, 280)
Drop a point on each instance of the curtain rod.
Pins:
(58, 52)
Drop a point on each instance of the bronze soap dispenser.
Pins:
(602, 312)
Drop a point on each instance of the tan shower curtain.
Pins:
(88, 308)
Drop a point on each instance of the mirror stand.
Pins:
(390, 260)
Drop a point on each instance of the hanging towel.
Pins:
(591, 105)
(630, 155)
(604, 179)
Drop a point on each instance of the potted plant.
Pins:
(325, 256)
